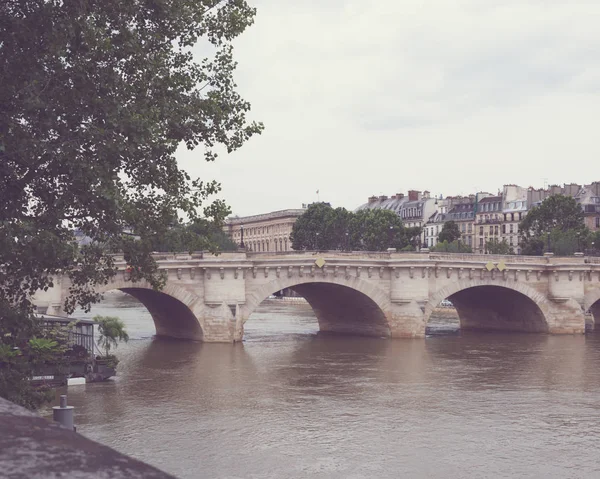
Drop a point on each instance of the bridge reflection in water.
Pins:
(289, 402)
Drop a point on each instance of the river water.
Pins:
(291, 403)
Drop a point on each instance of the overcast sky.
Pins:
(361, 98)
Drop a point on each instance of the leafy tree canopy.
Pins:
(557, 221)
(325, 228)
(494, 246)
(198, 235)
(452, 247)
(450, 232)
(95, 98)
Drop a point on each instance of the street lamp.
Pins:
(578, 241)
(548, 248)
(242, 242)
(318, 241)
(391, 236)
(346, 244)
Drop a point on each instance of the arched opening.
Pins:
(171, 317)
(486, 308)
(592, 311)
(337, 308)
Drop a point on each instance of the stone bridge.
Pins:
(209, 298)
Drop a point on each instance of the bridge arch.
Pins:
(591, 303)
(345, 305)
(175, 311)
(495, 305)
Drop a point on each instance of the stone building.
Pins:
(265, 232)
(516, 201)
(589, 199)
(452, 208)
(463, 214)
(488, 221)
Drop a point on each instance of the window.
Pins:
(511, 228)
(495, 230)
(504, 229)
(481, 230)
(470, 228)
(597, 222)
(481, 242)
(510, 241)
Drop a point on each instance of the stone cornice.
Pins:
(291, 213)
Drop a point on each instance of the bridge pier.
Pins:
(406, 320)
(566, 316)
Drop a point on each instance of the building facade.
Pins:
(463, 214)
(265, 232)
(515, 206)
(452, 208)
(488, 221)
(589, 199)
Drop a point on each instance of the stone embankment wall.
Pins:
(32, 447)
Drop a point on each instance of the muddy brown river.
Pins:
(291, 403)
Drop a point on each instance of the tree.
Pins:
(92, 109)
(494, 246)
(450, 232)
(323, 228)
(453, 247)
(112, 331)
(376, 230)
(556, 216)
(196, 236)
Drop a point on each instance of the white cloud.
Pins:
(364, 98)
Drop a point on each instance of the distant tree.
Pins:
(311, 229)
(323, 228)
(453, 247)
(494, 246)
(198, 235)
(593, 241)
(566, 243)
(111, 331)
(450, 232)
(533, 246)
(556, 219)
(413, 237)
(377, 230)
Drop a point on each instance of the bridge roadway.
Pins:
(209, 298)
